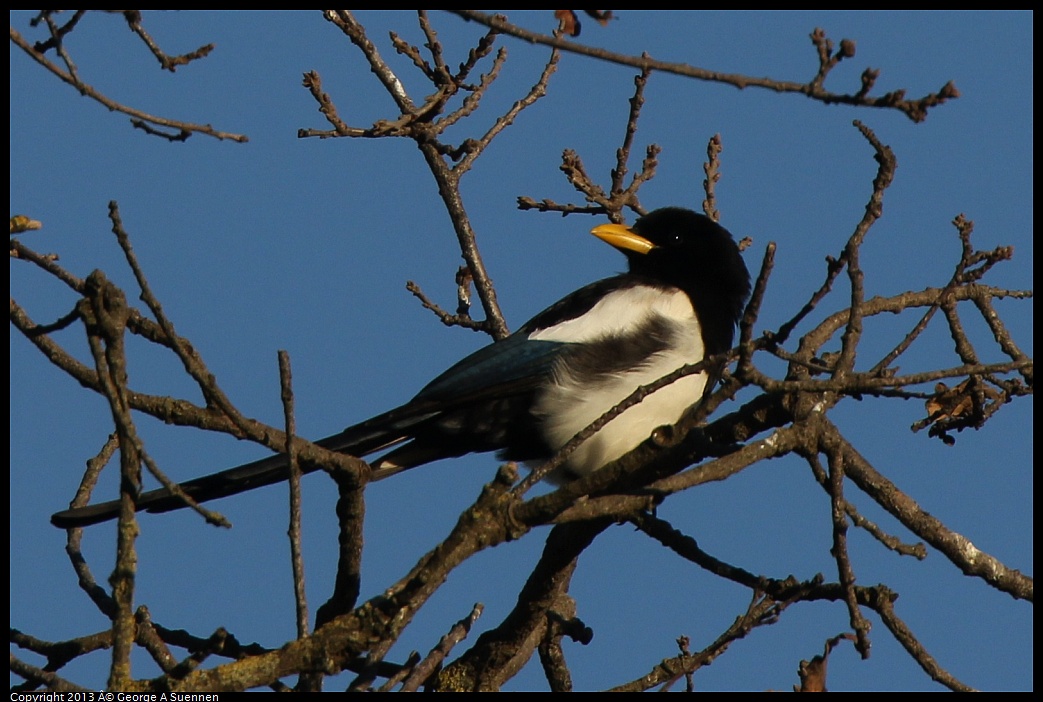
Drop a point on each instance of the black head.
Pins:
(684, 249)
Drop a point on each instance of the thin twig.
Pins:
(637, 101)
(294, 530)
(916, 109)
(114, 106)
(427, 667)
(712, 169)
(874, 210)
(839, 550)
(450, 320)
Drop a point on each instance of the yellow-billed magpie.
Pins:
(529, 394)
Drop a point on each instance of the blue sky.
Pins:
(306, 244)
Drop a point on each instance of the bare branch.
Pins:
(956, 547)
(294, 530)
(426, 668)
(72, 79)
(712, 170)
(916, 110)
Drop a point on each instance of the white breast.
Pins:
(568, 406)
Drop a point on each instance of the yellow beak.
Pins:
(622, 238)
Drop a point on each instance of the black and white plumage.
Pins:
(528, 395)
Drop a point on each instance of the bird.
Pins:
(527, 395)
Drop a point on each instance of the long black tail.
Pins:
(370, 436)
